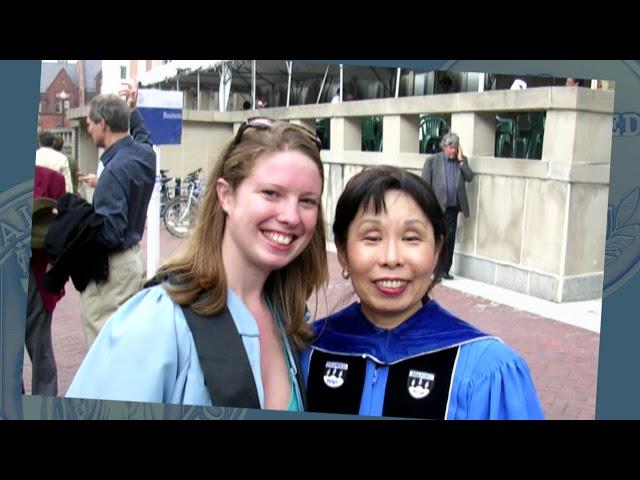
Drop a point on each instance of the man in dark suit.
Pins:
(447, 172)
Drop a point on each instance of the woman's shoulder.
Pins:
(494, 382)
(337, 321)
(153, 298)
(140, 354)
(488, 356)
(151, 309)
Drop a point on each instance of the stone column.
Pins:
(309, 123)
(477, 131)
(400, 134)
(346, 134)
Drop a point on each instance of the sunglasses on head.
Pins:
(264, 123)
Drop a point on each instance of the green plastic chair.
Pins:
(505, 135)
(371, 134)
(323, 131)
(533, 141)
(431, 127)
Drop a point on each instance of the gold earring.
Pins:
(345, 274)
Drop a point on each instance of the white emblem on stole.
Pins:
(420, 383)
(335, 374)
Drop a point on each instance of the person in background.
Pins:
(121, 198)
(336, 97)
(48, 185)
(518, 84)
(445, 85)
(47, 157)
(447, 172)
(58, 144)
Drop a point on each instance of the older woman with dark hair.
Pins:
(397, 352)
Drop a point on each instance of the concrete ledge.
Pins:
(512, 278)
(207, 116)
(548, 287)
(585, 99)
(541, 98)
(411, 161)
(476, 268)
(508, 100)
(582, 287)
(511, 167)
(543, 286)
(580, 172)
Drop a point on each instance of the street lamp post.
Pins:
(63, 97)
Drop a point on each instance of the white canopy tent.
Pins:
(292, 83)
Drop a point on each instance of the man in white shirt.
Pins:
(47, 157)
(518, 84)
(336, 97)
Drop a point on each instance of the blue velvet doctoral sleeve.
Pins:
(145, 353)
(493, 382)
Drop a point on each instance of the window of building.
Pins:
(123, 72)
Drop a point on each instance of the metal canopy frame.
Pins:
(251, 76)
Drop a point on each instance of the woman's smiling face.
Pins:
(391, 257)
(272, 214)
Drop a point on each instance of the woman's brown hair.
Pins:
(197, 269)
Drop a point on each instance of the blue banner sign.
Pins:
(162, 113)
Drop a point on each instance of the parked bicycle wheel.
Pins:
(180, 216)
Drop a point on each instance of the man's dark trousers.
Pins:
(451, 223)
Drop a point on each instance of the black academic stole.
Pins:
(417, 387)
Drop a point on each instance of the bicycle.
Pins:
(165, 193)
(180, 213)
